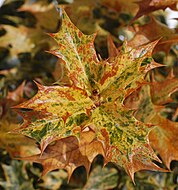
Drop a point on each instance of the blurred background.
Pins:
(24, 42)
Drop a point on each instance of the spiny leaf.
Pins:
(58, 111)
(148, 6)
(69, 153)
(161, 91)
(126, 72)
(163, 138)
(88, 117)
(145, 34)
(73, 45)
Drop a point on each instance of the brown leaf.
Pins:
(112, 50)
(145, 34)
(164, 139)
(148, 6)
(69, 153)
(161, 91)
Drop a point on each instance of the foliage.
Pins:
(120, 103)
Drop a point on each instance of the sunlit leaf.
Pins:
(88, 117)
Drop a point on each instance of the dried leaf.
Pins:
(145, 34)
(164, 139)
(69, 153)
(148, 6)
(161, 91)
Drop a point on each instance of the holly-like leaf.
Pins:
(73, 45)
(160, 95)
(145, 34)
(53, 118)
(69, 153)
(88, 117)
(148, 6)
(163, 138)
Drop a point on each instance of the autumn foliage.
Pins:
(115, 103)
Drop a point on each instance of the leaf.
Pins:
(88, 117)
(163, 138)
(73, 44)
(148, 6)
(145, 34)
(101, 179)
(56, 118)
(160, 95)
(68, 153)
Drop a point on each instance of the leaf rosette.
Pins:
(87, 116)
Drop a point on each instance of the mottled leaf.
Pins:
(163, 137)
(88, 117)
(73, 45)
(58, 111)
